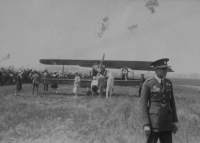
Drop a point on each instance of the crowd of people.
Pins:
(18, 77)
(8, 76)
(99, 85)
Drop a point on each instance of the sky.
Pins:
(141, 30)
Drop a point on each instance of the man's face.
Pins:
(161, 72)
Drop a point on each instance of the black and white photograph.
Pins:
(99, 71)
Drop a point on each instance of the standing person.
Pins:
(142, 80)
(55, 84)
(36, 80)
(45, 75)
(93, 72)
(124, 73)
(101, 83)
(77, 81)
(110, 84)
(157, 105)
(94, 84)
(18, 81)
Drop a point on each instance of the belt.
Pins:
(160, 104)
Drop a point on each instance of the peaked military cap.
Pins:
(161, 63)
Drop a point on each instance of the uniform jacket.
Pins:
(157, 105)
(36, 79)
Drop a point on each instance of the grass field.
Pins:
(58, 118)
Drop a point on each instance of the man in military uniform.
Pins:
(157, 105)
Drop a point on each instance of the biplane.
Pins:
(100, 66)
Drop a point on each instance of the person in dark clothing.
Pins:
(94, 85)
(93, 72)
(18, 83)
(55, 84)
(157, 105)
(142, 80)
(36, 80)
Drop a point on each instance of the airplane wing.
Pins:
(134, 65)
(87, 83)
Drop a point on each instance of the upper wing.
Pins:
(134, 65)
(83, 63)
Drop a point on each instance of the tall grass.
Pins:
(48, 117)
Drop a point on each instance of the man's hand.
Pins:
(174, 128)
(147, 130)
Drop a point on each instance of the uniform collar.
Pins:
(158, 79)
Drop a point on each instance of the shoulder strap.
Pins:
(148, 80)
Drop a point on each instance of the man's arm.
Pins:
(144, 99)
(173, 107)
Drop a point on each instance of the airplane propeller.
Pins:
(100, 65)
